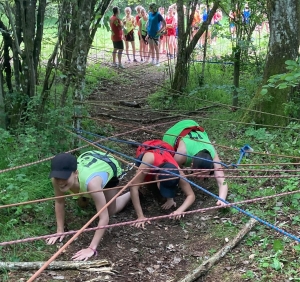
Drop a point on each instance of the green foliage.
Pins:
(288, 79)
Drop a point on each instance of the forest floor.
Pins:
(165, 250)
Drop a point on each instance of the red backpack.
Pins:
(185, 132)
(154, 145)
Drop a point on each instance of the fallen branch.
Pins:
(58, 265)
(206, 265)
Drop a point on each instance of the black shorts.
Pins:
(118, 45)
(144, 39)
(129, 36)
(112, 183)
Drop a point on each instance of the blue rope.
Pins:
(155, 147)
(202, 189)
(244, 152)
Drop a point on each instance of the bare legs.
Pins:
(114, 54)
(133, 50)
(154, 51)
(118, 204)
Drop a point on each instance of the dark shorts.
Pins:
(144, 39)
(155, 40)
(118, 45)
(129, 36)
(112, 183)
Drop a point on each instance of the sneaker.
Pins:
(114, 65)
(128, 61)
(157, 64)
(142, 60)
(121, 67)
(135, 60)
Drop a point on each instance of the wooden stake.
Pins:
(206, 265)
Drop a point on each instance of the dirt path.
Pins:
(166, 249)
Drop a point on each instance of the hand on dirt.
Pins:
(168, 204)
(220, 203)
(141, 224)
(176, 215)
(84, 254)
(52, 240)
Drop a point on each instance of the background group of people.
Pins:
(185, 144)
(150, 27)
(157, 30)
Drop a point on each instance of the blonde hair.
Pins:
(127, 9)
(138, 7)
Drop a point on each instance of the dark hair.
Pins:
(115, 10)
(205, 162)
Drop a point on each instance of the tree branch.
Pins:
(206, 265)
(13, 28)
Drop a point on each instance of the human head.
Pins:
(161, 10)
(143, 12)
(205, 161)
(62, 166)
(64, 172)
(153, 8)
(168, 188)
(127, 10)
(170, 10)
(138, 9)
(116, 10)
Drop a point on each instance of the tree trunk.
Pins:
(2, 106)
(236, 75)
(28, 27)
(185, 49)
(6, 58)
(39, 35)
(283, 46)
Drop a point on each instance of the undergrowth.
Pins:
(273, 255)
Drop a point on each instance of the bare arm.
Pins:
(163, 26)
(220, 177)
(100, 201)
(59, 214)
(140, 26)
(179, 158)
(189, 193)
(134, 190)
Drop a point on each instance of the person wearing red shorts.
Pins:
(171, 32)
(137, 22)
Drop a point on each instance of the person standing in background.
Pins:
(129, 23)
(116, 27)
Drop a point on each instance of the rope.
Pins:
(224, 147)
(156, 181)
(33, 277)
(155, 147)
(154, 131)
(211, 194)
(73, 150)
(212, 102)
(202, 210)
(184, 114)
